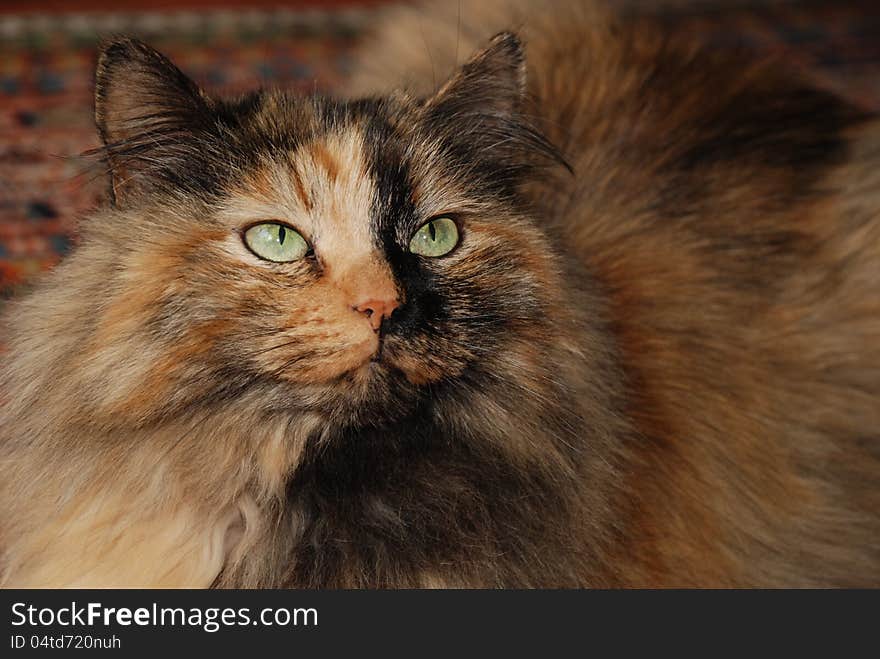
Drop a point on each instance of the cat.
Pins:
(598, 311)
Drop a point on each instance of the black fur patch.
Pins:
(380, 507)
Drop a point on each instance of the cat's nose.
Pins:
(377, 310)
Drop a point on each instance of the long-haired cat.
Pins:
(600, 310)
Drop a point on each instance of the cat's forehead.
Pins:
(324, 187)
(359, 172)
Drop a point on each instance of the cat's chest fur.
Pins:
(414, 505)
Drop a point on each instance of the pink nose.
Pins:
(377, 310)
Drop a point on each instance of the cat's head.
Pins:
(335, 253)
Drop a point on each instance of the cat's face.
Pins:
(340, 252)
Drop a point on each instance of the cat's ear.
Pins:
(491, 82)
(147, 112)
(481, 113)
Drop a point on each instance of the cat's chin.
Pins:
(377, 381)
(381, 386)
(378, 372)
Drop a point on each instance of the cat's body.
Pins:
(660, 370)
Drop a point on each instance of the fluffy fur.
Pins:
(653, 359)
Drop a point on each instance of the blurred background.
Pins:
(48, 51)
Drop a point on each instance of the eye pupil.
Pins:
(282, 234)
(432, 230)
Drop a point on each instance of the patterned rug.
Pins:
(47, 64)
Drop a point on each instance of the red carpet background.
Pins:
(47, 63)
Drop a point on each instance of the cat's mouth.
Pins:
(373, 359)
(391, 356)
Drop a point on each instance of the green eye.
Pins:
(276, 242)
(436, 238)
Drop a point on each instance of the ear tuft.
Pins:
(145, 109)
